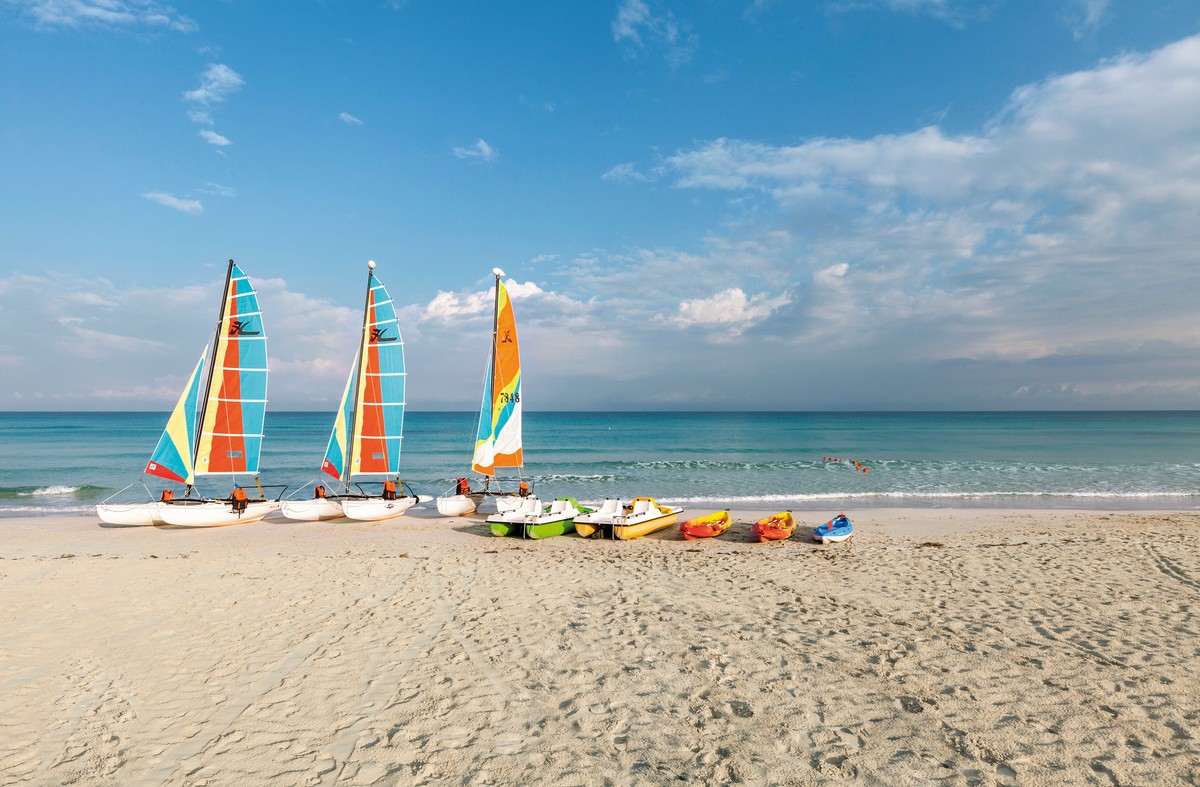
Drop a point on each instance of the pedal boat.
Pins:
(641, 517)
(535, 520)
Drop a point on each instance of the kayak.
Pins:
(775, 527)
(833, 531)
(706, 526)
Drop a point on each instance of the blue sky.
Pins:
(752, 204)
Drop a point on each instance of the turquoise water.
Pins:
(66, 462)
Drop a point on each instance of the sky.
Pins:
(712, 205)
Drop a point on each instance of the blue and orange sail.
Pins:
(367, 431)
(498, 440)
(231, 424)
(172, 457)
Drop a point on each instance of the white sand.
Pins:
(949, 647)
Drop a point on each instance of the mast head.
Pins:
(371, 264)
(497, 272)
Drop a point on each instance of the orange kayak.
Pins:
(706, 526)
(775, 527)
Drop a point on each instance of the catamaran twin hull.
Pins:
(130, 514)
(184, 513)
(365, 509)
(373, 509)
(213, 513)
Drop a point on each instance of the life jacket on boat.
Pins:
(464, 487)
(389, 490)
(167, 496)
(318, 491)
(238, 499)
(523, 489)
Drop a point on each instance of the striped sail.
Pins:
(172, 457)
(335, 453)
(498, 442)
(379, 390)
(231, 426)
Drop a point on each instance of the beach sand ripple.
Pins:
(947, 647)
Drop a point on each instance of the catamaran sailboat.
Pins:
(227, 439)
(498, 437)
(366, 435)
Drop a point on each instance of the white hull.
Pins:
(373, 509)
(130, 514)
(455, 505)
(312, 510)
(533, 512)
(834, 539)
(214, 513)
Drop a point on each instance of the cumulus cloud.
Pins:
(349, 119)
(190, 206)
(730, 310)
(105, 13)
(1052, 244)
(132, 346)
(480, 151)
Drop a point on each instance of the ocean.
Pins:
(54, 463)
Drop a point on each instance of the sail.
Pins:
(379, 390)
(335, 453)
(231, 427)
(498, 442)
(172, 457)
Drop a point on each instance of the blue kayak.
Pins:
(835, 530)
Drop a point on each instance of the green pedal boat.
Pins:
(535, 520)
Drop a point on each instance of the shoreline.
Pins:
(958, 645)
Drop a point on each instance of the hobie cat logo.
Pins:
(380, 335)
(240, 328)
(508, 339)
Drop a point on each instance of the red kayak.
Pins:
(706, 526)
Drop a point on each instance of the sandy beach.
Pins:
(939, 646)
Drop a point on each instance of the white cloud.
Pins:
(349, 119)
(638, 28)
(729, 309)
(1048, 250)
(217, 83)
(481, 150)
(1086, 16)
(105, 13)
(217, 190)
(213, 138)
(190, 206)
(625, 173)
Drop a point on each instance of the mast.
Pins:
(358, 378)
(495, 354)
(212, 360)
